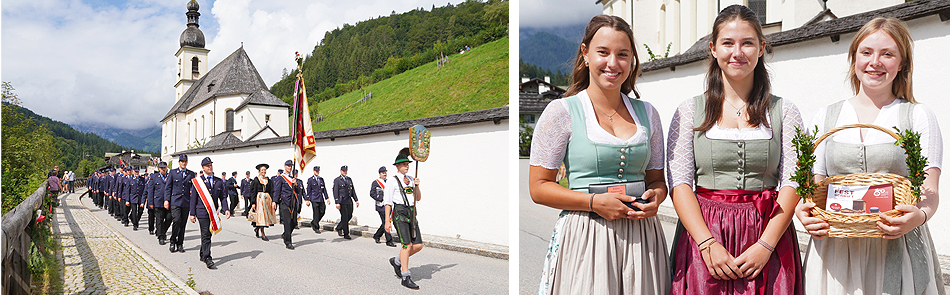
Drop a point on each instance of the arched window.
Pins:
(229, 120)
(203, 123)
(194, 65)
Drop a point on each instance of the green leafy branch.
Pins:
(804, 142)
(910, 141)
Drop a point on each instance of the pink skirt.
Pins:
(736, 219)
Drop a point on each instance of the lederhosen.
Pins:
(404, 218)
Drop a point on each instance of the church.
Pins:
(228, 104)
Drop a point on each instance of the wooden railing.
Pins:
(16, 243)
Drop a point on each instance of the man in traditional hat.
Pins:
(400, 197)
(232, 188)
(199, 211)
(317, 194)
(246, 192)
(376, 192)
(136, 200)
(158, 217)
(287, 200)
(177, 198)
(344, 195)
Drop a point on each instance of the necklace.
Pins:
(611, 116)
(738, 110)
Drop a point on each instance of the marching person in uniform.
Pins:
(233, 187)
(246, 192)
(344, 195)
(287, 201)
(299, 193)
(399, 198)
(91, 184)
(105, 189)
(376, 192)
(177, 189)
(136, 201)
(213, 188)
(317, 194)
(155, 196)
(122, 195)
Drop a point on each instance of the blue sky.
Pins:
(112, 63)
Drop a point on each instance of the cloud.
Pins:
(556, 13)
(112, 63)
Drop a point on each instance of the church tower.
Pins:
(192, 56)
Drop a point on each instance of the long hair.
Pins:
(902, 85)
(759, 100)
(581, 72)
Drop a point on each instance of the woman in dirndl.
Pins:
(904, 260)
(730, 160)
(599, 244)
(264, 208)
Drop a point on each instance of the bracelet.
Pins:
(591, 204)
(707, 246)
(766, 245)
(925, 216)
(704, 241)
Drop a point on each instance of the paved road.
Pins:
(96, 260)
(321, 264)
(536, 224)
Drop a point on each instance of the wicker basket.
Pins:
(858, 225)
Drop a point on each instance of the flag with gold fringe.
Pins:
(303, 140)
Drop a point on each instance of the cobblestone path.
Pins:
(99, 261)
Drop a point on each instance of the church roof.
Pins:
(223, 138)
(262, 97)
(233, 75)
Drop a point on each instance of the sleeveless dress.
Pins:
(588, 254)
(736, 183)
(906, 265)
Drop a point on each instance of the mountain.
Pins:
(355, 56)
(548, 50)
(478, 80)
(147, 140)
(72, 144)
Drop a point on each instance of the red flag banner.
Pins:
(303, 140)
(205, 198)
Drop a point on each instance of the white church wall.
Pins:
(221, 105)
(464, 182)
(255, 118)
(813, 74)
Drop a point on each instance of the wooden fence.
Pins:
(16, 243)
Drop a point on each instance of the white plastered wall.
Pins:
(464, 180)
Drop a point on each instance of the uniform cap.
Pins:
(162, 165)
(316, 168)
(206, 161)
(289, 163)
(344, 168)
(382, 169)
(183, 158)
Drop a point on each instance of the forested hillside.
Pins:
(356, 56)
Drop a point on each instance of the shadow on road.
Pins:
(425, 271)
(252, 254)
(308, 242)
(213, 245)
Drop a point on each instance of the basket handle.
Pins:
(843, 127)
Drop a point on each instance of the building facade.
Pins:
(678, 24)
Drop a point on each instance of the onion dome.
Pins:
(192, 36)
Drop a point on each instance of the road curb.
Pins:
(433, 241)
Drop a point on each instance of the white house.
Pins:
(229, 102)
(809, 66)
(680, 23)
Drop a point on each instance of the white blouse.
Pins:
(681, 165)
(924, 121)
(553, 133)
